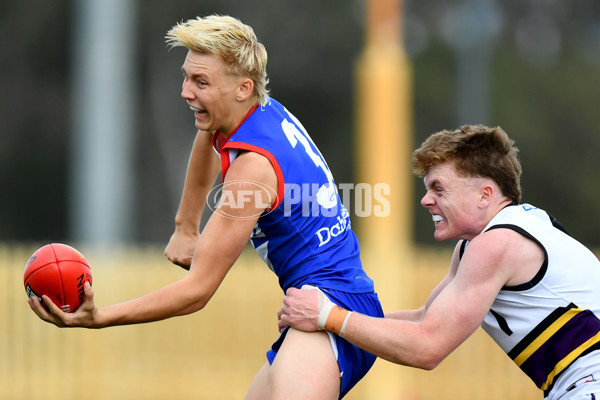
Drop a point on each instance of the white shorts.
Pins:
(580, 381)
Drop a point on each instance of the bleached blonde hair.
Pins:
(230, 39)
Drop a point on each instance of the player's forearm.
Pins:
(399, 341)
(408, 315)
(188, 217)
(193, 200)
(179, 298)
(202, 171)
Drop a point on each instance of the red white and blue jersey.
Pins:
(305, 236)
(550, 326)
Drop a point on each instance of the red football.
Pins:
(58, 271)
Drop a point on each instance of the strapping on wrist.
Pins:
(331, 317)
(337, 320)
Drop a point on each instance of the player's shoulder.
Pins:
(485, 258)
(495, 241)
(502, 251)
(250, 163)
(253, 167)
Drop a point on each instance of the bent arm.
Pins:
(453, 312)
(450, 320)
(212, 261)
(220, 244)
(202, 171)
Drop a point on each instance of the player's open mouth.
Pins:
(198, 112)
(437, 218)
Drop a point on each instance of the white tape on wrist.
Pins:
(325, 306)
(331, 317)
(324, 313)
(343, 330)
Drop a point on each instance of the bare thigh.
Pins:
(258, 388)
(304, 368)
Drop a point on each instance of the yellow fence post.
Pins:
(383, 147)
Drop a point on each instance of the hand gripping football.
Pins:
(60, 272)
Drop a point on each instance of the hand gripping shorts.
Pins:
(354, 362)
